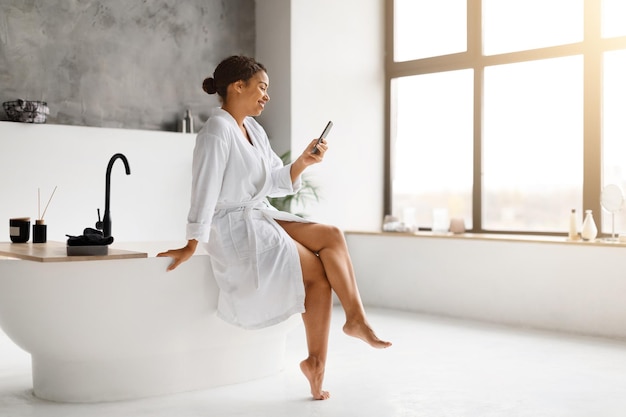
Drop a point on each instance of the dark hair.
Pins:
(231, 70)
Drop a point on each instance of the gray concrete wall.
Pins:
(119, 63)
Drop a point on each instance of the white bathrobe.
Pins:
(256, 264)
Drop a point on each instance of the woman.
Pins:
(268, 264)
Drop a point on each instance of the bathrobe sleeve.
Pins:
(281, 180)
(210, 156)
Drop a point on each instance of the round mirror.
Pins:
(612, 200)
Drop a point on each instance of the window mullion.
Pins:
(592, 181)
(474, 49)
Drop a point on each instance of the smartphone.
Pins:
(322, 136)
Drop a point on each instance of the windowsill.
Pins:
(497, 237)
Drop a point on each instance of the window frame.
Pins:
(591, 48)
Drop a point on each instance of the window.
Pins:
(614, 128)
(433, 159)
(518, 25)
(532, 170)
(507, 114)
(417, 21)
(613, 15)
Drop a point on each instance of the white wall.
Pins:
(150, 204)
(337, 73)
(572, 287)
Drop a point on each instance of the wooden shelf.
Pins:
(57, 252)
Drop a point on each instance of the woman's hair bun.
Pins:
(208, 85)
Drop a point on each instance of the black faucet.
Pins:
(106, 221)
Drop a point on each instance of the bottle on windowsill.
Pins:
(573, 226)
(589, 231)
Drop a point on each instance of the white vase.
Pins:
(589, 231)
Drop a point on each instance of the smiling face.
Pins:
(253, 95)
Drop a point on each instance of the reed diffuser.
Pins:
(40, 229)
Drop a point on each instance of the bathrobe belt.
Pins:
(248, 206)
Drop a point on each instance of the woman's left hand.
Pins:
(310, 158)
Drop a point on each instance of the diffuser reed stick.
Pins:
(46, 209)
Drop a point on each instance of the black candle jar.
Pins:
(19, 229)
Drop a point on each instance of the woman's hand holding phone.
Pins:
(329, 125)
(313, 154)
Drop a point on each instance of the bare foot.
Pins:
(314, 372)
(364, 332)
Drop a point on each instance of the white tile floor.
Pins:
(437, 367)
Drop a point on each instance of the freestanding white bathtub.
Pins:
(120, 329)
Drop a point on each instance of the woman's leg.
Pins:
(318, 305)
(329, 244)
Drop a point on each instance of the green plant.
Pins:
(307, 193)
